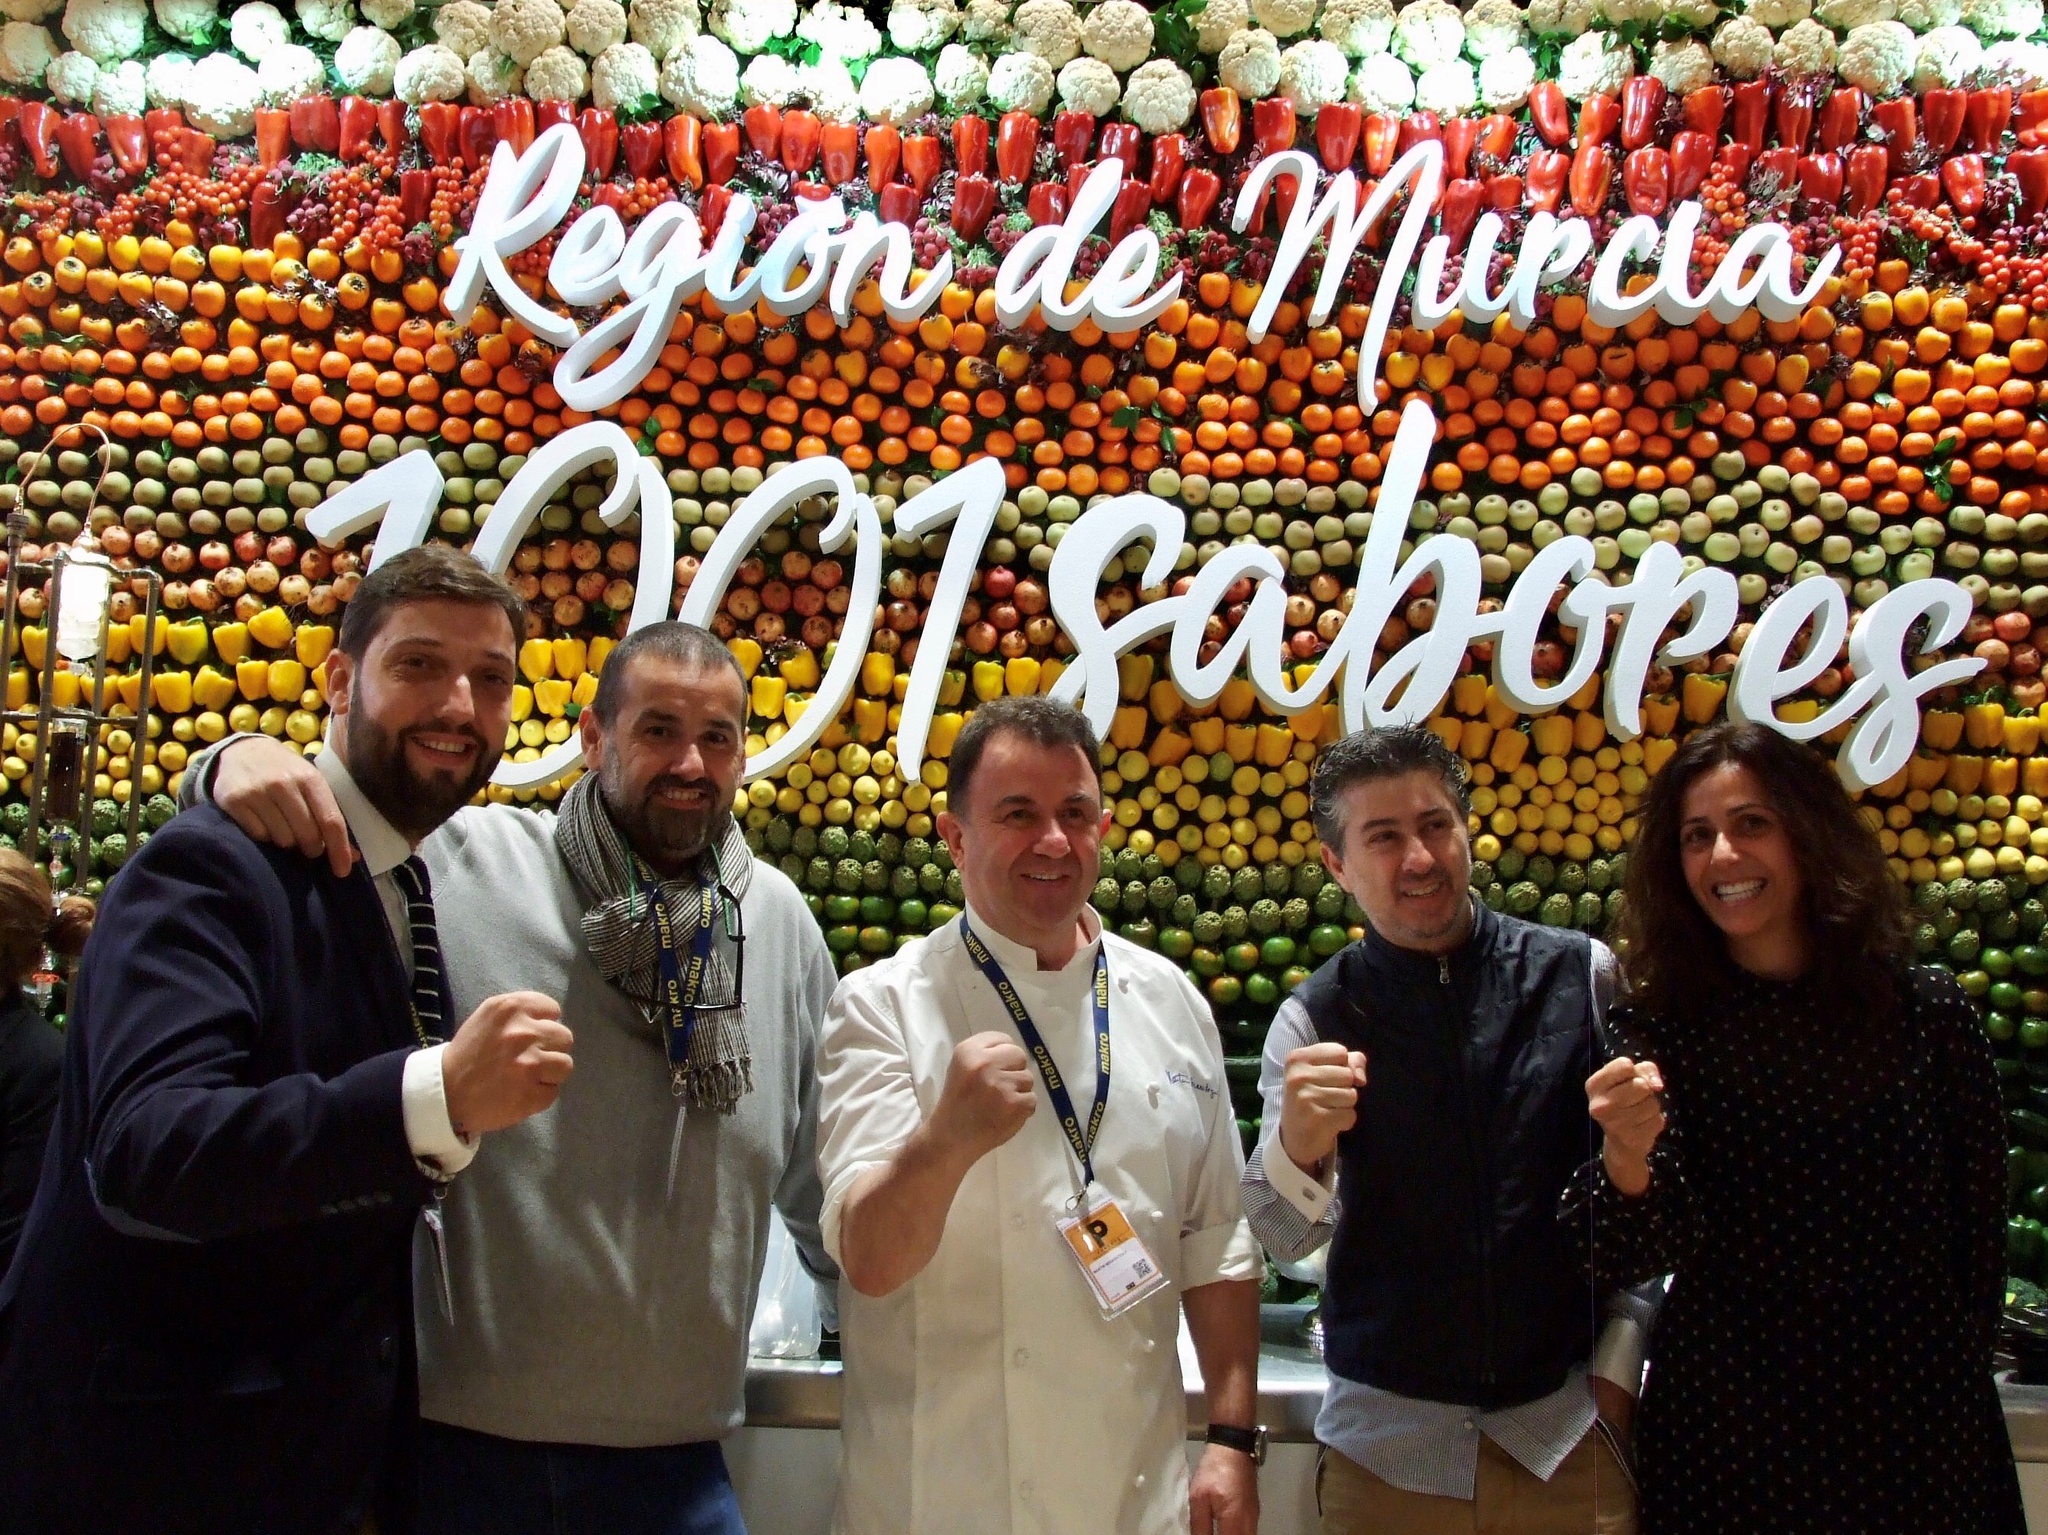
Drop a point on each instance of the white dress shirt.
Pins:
(990, 1393)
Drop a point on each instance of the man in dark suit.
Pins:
(208, 1325)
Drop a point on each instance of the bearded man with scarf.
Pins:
(583, 1309)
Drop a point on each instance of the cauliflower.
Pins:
(1743, 47)
(1091, 86)
(1118, 32)
(388, 14)
(1592, 64)
(122, 91)
(895, 90)
(1947, 56)
(559, 74)
(288, 73)
(660, 26)
(1695, 15)
(1159, 97)
(1778, 14)
(491, 76)
(1805, 50)
(1313, 74)
(701, 77)
(769, 80)
(523, 30)
(1020, 82)
(367, 62)
(918, 26)
(748, 25)
(29, 10)
(596, 25)
(833, 94)
(1383, 83)
(256, 28)
(25, 53)
(1250, 64)
(1492, 26)
(71, 77)
(186, 21)
(1847, 15)
(1048, 28)
(165, 78)
(1619, 13)
(1563, 18)
(1220, 20)
(1878, 58)
(1429, 32)
(841, 32)
(1926, 15)
(221, 96)
(987, 22)
(1449, 90)
(2002, 18)
(1361, 27)
(106, 31)
(624, 75)
(328, 20)
(1505, 80)
(960, 77)
(463, 26)
(1284, 18)
(2023, 66)
(1684, 67)
(432, 73)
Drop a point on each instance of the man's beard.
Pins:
(412, 802)
(670, 840)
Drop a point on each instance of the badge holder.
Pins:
(1113, 1258)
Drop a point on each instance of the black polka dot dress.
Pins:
(1829, 1197)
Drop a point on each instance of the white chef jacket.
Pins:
(990, 1394)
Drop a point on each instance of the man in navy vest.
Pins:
(208, 1326)
(1424, 1110)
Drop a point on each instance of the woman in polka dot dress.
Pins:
(1805, 1133)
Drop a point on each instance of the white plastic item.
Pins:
(82, 608)
(786, 1313)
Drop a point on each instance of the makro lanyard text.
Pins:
(1048, 1068)
(680, 987)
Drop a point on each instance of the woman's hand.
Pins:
(1625, 1099)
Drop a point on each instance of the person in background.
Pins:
(1422, 1109)
(583, 1311)
(209, 1317)
(31, 1050)
(1016, 1270)
(1834, 1219)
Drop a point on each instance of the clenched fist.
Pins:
(988, 1094)
(1624, 1098)
(1321, 1103)
(506, 1063)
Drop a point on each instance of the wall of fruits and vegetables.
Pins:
(228, 231)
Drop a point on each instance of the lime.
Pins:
(1260, 989)
(842, 939)
(1277, 951)
(877, 910)
(912, 916)
(877, 940)
(1326, 939)
(2000, 1026)
(1997, 963)
(1292, 977)
(2034, 1033)
(1206, 963)
(1241, 957)
(1225, 990)
(2005, 997)
(1974, 982)
(2031, 958)
(841, 908)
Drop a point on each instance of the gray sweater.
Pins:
(603, 1257)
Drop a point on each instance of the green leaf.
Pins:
(1124, 419)
(646, 108)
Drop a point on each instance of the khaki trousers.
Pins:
(1507, 1499)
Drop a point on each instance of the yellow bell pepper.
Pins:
(1508, 750)
(952, 689)
(1984, 725)
(1500, 714)
(877, 674)
(1475, 740)
(313, 643)
(286, 680)
(1237, 699)
(1468, 693)
(551, 697)
(139, 634)
(64, 689)
(212, 689)
(1447, 728)
(1925, 771)
(2033, 776)
(870, 720)
(272, 628)
(1942, 729)
(34, 643)
(253, 678)
(1589, 731)
(572, 657)
(1799, 711)
(172, 691)
(1701, 697)
(2002, 775)
(1207, 734)
(1240, 742)
(1660, 715)
(800, 669)
(120, 649)
(1127, 728)
(1275, 745)
(604, 645)
(188, 643)
(17, 687)
(522, 702)
(1657, 751)
(1133, 675)
(1020, 676)
(769, 696)
(2022, 733)
(1965, 772)
(129, 686)
(230, 642)
(1306, 726)
(1552, 735)
(988, 680)
(536, 660)
(1169, 749)
(585, 692)
(1048, 673)
(945, 730)
(1588, 693)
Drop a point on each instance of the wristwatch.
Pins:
(1249, 1441)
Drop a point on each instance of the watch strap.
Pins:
(1248, 1441)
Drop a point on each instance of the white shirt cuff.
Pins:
(440, 1152)
(1618, 1357)
(1308, 1195)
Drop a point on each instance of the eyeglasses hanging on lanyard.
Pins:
(685, 979)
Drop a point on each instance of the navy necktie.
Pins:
(428, 1018)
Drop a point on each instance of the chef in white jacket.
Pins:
(1018, 1246)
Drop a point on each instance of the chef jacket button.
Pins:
(1017, 1221)
(1138, 1481)
(1021, 1358)
(1024, 1491)
(1468, 1423)
(1151, 1344)
(1158, 1215)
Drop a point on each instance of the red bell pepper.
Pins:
(440, 131)
(764, 129)
(1418, 128)
(1016, 147)
(970, 146)
(641, 147)
(273, 135)
(2029, 167)
(557, 114)
(1463, 200)
(1692, 158)
(1503, 193)
(1591, 178)
(1792, 115)
(812, 191)
(1461, 137)
(1073, 133)
(391, 125)
(1121, 141)
(1550, 112)
(1897, 122)
(1272, 126)
(1169, 161)
(1749, 112)
(599, 131)
(415, 197)
(1599, 116)
(1646, 180)
(1941, 119)
(78, 139)
(802, 134)
(1338, 126)
(839, 151)
(194, 153)
(611, 195)
(1962, 177)
(1496, 136)
(1642, 110)
(1820, 180)
(129, 143)
(1732, 160)
(38, 121)
(1198, 192)
(2032, 123)
(722, 152)
(266, 215)
(1984, 120)
(711, 207)
(1777, 166)
(512, 117)
(922, 161)
(899, 203)
(884, 145)
(1222, 119)
(1840, 116)
(1076, 178)
(1133, 203)
(1382, 142)
(478, 130)
(974, 201)
(1284, 191)
(1046, 202)
(1922, 191)
(1706, 109)
(316, 124)
(1865, 169)
(1549, 169)
(355, 119)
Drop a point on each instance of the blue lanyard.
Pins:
(1055, 1084)
(679, 987)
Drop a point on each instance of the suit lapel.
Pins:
(382, 973)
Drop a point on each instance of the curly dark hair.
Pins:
(1857, 934)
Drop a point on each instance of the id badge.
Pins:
(1113, 1259)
